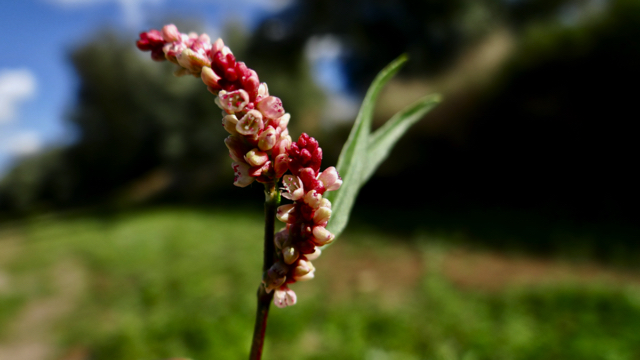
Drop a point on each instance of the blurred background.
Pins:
(503, 225)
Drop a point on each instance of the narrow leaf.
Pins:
(384, 139)
(353, 157)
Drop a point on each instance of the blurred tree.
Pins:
(552, 133)
(131, 117)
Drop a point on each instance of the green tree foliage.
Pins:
(131, 117)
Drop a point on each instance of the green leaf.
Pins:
(384, 139)
(353, 157)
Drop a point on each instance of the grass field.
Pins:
(169, 283)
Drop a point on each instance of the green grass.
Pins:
(168, 283)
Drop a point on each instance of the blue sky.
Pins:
(37, 82)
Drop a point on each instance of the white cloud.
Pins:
(20, 144)
(16, 86)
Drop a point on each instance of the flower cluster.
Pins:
(298, 244)
(261, 149)
(256, 121)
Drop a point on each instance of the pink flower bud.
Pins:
(284, 297)
(322, 215)
(236, 147)
(251, 84)
(170, 33)
(308, 177)
(284, 121)
(192, 61)
(282, 146)
(263, 90)
(284, 211)
(267, 139)
(303, 271)
(330, 179)
(242, 178)
(152, 41)
(217, 46)
(294, 188)
(258, 170)
(251, 123)
(314, 255)
(234, 101)
(172, 50)
(313, 199)
(281, 165)
(204, 38)
(322, 236)
(325, 203)
(256, 157)
(229, 122)
(209, 77)
(290, 254)
(271, 107)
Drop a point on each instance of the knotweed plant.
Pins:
(262, 150)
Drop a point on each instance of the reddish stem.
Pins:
(272, 200)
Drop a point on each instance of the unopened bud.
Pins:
(282, 145)
(290, 254)
(281, 165)
(259, 169)
(204, 39)
(263, 90)
(284, 297)
(325, 203)
(322, 215)
(217, 46)
(284, 121)
(322, 235)
(170, 33)
(251, 123)
(236, 147)
(192, 60)
(283, 212)
(267, 139)
(209, 77)
(313, 199)
(256, 157)
(303, 271)
(330, 179)
(314, 255)
(229, 122)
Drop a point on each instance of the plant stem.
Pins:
(272, 200)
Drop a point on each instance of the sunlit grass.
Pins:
(168, 283)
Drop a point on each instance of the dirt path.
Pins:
(393, 273)
(492, 271)
(30, 334)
